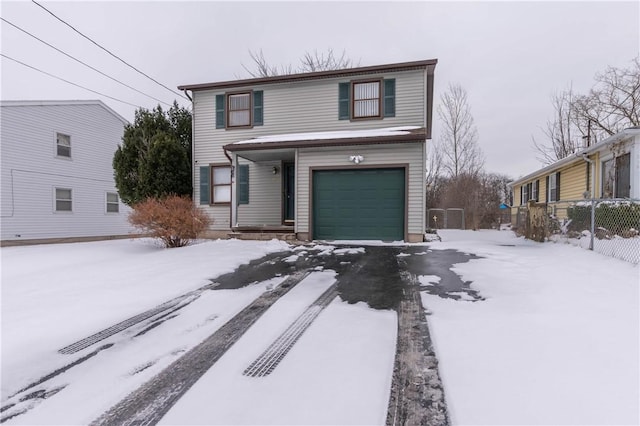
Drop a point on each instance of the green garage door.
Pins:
(362, 204)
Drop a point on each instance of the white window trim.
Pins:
(55, 145)
(55, 199)
(106, 202)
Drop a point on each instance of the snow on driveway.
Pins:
(555, 341)
(339, 372)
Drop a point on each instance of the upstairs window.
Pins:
(239, 110)
(366, 99)
(63, 145)
(369, 99)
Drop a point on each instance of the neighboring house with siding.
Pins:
(322, 155)
(57, 174)
(607, 169)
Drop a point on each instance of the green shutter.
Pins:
(220, 115)
(390, 97)
(243, 184)
(257, 108)
(204, 185)
(344, 101)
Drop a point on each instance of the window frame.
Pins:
(552, 177)
(58, 145)
(227, 102)
(380, 98)
(107, 202)
(56, 199)
(213, 185)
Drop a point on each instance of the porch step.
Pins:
(285, 236)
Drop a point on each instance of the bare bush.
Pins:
(173, 220)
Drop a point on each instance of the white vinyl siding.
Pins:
(265, 196)
(30, 175)
(336, 157)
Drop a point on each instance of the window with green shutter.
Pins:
(257, 108)
(243, 184)
(344, 101)
(220, 112)
(390, 97)
(204, 185)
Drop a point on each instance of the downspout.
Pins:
(593, 199)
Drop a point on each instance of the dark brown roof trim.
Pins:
(401, 66)
(415, 136)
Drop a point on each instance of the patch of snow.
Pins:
(342, 134)
(429, 280)
(350, 250)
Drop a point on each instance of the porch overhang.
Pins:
(258, 155)
(273, 147)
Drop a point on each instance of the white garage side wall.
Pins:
(295, 107)
(31, 171)
(337, 157)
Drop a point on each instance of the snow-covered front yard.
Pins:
(555, 340)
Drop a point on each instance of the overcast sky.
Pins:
(509, 56)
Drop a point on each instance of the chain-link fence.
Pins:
(452, 218)
(607, 226)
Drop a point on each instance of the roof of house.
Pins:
(333, 138)
(428, 64)
(65, 102)
(626, 133)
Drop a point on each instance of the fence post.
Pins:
(593, 222)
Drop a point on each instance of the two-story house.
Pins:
(57, 174)
(323, 155)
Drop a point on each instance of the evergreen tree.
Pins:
(154, 159)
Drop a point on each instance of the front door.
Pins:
(289, 185)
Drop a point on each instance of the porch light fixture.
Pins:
(356, 159)
(275, 170)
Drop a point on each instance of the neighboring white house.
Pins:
(323, 155)
(57, 175)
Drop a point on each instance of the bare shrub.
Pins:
(174, 220)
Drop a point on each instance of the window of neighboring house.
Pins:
(553, 193)
(239, 107)
(616, 177)
(535, 190)
(63, 145)
(366, 99)
(113, 202)
(220, 184)
(63, 200)
(608, 178)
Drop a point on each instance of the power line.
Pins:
(106, 50)
(83, 63)
(70, 82)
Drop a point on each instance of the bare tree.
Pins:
(309, 62)
(458, 143)
(612, 104)
(563, 135)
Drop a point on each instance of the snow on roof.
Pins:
(342, 134)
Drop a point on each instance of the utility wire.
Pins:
(70, 82)
(106, 50)
(83, 63)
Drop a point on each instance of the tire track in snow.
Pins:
(276, 352)
(149, 403)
